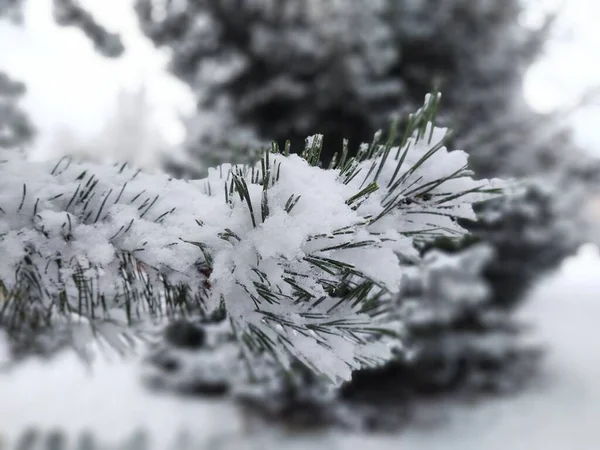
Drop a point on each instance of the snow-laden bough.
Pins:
(298, 256)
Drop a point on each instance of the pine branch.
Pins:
(299, 256)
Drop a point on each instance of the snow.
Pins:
(286, 232)
(107, 399)
(560, 412)
(551, 85)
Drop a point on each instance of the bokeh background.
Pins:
(133, 108)
(49, 58)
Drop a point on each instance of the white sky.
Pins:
(79, 96)
(72, 87)
(570, 66)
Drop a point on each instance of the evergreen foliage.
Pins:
(272, 277)
(273, 70)
(457, 341)
(300, 257)
(260, 67)
(462, 300)
(462, 339)
(531, 232)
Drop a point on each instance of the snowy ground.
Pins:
(563, 412)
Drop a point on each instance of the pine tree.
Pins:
(456, 339)
(97, 252)
(276, 70)
(463, 339)
(531, 233)
(460, 303)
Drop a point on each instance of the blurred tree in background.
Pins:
(284, 69)
(69, 13)
(11, 9)
(267, 70)
(16, 129)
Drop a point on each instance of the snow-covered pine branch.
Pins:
(297, 255)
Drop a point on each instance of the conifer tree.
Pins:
(276, 70)
(282, 69)
(313, 269)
